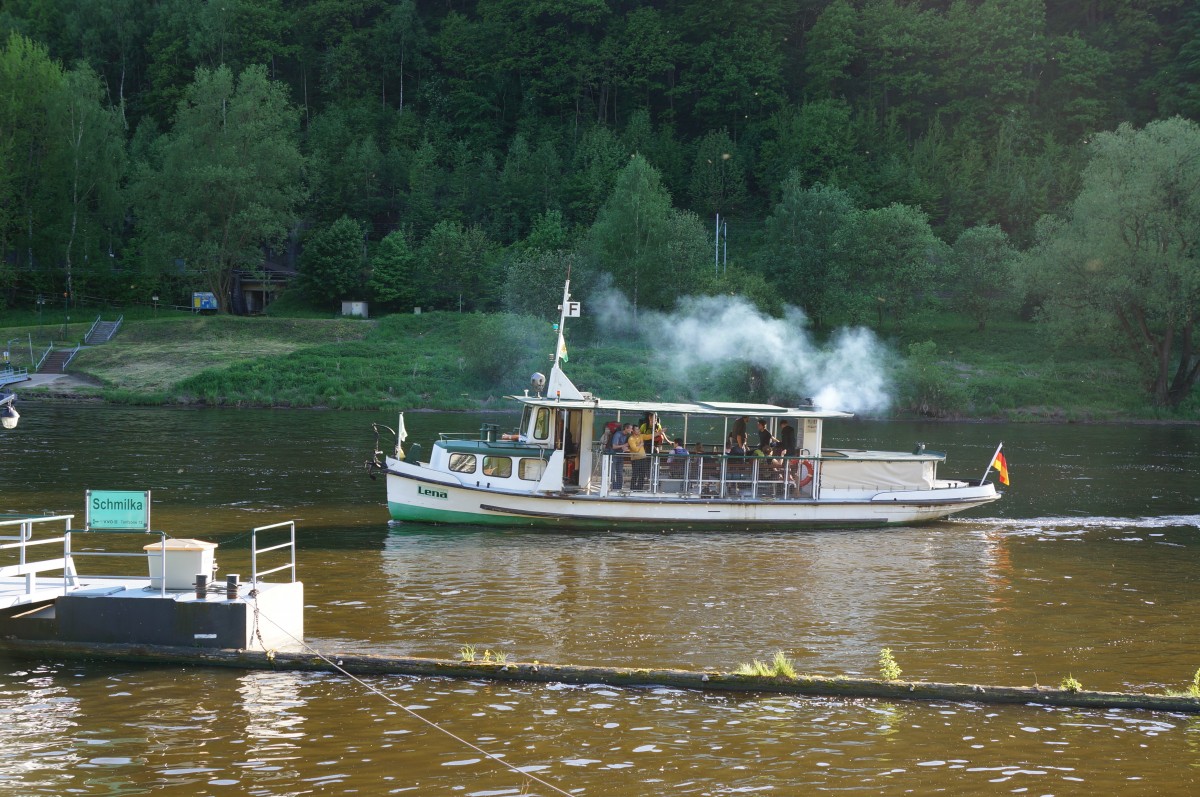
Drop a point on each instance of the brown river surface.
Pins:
(1087, 567)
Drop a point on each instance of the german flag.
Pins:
(1001, 467)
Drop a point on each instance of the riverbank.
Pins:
(451, 361)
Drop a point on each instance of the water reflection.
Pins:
(36, 716)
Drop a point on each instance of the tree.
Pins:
(1122, 263)
(85, 166)
(982, 263)
(801, 247)
(27, 77)
(332, 263)
(638, 240)
(225, 181)
(718, 180)
(891, 261)
(533, 281)
(831, 49)
(598, 159)
(817, 139)
(393, 271)
(458, 266)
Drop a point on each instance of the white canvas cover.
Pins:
(875, 475)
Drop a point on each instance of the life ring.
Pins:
(800, 479)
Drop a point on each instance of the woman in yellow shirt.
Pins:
(640, 462)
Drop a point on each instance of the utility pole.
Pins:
(717, 246)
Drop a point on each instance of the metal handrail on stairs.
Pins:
(111, 328)
(71, 356)
(45, 354)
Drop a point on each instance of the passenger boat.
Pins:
(554, 469)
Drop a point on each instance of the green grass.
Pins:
(889, 670)
(1070, 684)
(435, 360)
(780, 666)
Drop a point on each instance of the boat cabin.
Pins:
(561, 447)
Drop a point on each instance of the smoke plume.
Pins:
(706, 333)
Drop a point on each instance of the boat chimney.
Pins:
(231, 587)
(201, 586)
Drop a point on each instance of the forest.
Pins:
(862, 161)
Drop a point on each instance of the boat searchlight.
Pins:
(538, 380)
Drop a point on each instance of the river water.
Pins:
(1087, 567)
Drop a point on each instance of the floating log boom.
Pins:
(807, 685)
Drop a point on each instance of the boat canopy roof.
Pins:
(717, 408)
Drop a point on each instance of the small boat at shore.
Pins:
(559, 469)
(8, 410)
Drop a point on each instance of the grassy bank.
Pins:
(453, 361)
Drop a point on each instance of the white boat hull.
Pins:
(418, 494)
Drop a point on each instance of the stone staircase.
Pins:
(102, 331)
(56, 361)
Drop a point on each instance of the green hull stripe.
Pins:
(416, 514)
(413, 514)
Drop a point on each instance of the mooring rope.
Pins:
(410, 712)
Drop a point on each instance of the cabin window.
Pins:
(500, 467)
(542, 428)
(531, 469)
(462, 463)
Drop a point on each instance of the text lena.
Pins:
(431, 493)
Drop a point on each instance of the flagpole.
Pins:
(991, 462)
(562, 322)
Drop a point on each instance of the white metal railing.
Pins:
(17, 546)
(289, 545)
(71, 356)
(92, 328)
(13, 374)
(45, 354)
(711, 475)
(140, 554)
(21, 544)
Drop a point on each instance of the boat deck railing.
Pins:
(22, 540)
(21, 569)
(289, 546)
(121, 535)
(709, 475)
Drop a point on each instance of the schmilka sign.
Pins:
(118, 509)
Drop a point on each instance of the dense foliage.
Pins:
(867, 158)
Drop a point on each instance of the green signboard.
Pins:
(118, 509)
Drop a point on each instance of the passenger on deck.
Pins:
(787, 437)
(654, 432)
(739, 429)
(677, 462)
(610, 429)
(636, 443)
(766, 440)
(735, 446)
(619, 443)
